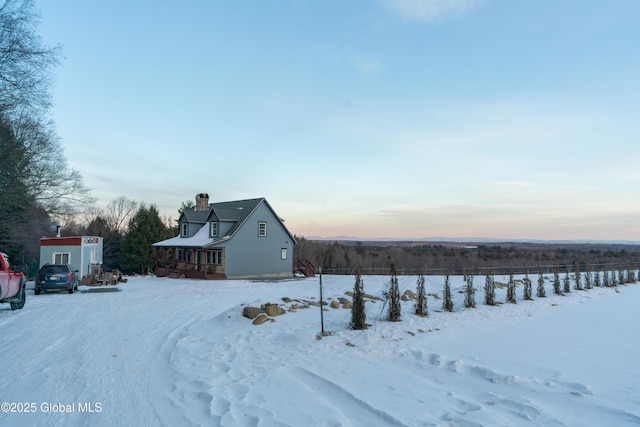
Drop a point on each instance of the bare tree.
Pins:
(25, 62)
(119, 212)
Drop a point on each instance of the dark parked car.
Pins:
(56, 277)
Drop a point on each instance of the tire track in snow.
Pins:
(355, 411)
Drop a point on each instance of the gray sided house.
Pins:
(80, 251)
(237, 239)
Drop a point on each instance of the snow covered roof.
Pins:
(201, 238)
(234, 211)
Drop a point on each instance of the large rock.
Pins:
(272, 310)
(410, 294)
(252, 312)
(335, 304)
(260, 319)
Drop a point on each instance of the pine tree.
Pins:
(511, 289)
(393, 297)
(421, 297)
(556, 280)
(145, 228)
(358, 315)
(470, 293)
(447, 302)
(540, 291)
(489, 289)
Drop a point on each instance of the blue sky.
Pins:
(370, 118)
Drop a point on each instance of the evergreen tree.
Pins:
(578, 285)
(556, 280)
(588, 277)
(470, 293)
(358, 315)
(145, 229)
(447, 302)
(567, 281)
(621, 279)
(540, 291)
(511, 289)
(421, 297)
(489, 289)
(393, 297)
(631, 274)
(527, 289)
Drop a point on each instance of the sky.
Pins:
(367, 118)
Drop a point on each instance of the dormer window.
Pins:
(184, 229)
(214, 229)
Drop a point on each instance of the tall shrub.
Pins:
(447, 302)
(358, 315)
(393, 297)
(540, 291)
(511, 289)
(578, 285)
(470, 293)
(489, 289)
(528, 291)
(421, 297)
(567, 281)
(556, 280)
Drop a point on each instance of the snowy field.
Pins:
(169, 352)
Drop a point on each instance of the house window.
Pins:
(61, 258)
(214, 229)
(183, 229)
(180, 254)
(283, 253)
(214, 256)
(262, 229)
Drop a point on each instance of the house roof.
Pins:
(234, 211)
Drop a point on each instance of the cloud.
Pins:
(365, 65)
(429, 10)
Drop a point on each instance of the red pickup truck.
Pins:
(12, 285)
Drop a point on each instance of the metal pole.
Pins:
(321, 309)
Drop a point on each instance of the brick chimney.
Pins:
(202, 202)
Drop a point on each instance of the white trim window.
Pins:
(214, 256)
(262, 229)
(184, 229)
(214, 229)
(283, 253)
(61, 257)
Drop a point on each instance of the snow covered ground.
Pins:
(179, 353)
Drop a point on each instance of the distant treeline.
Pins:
(344, 257)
